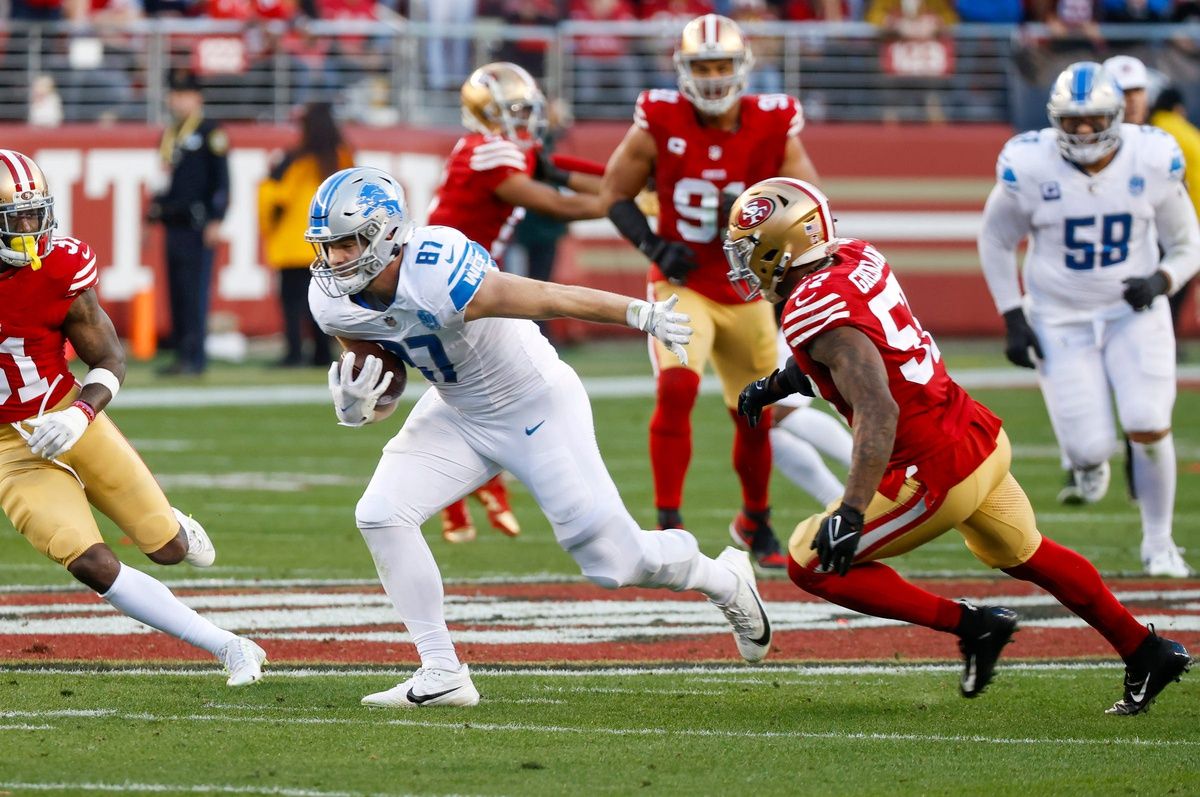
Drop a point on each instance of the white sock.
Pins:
(411, 578)
(800, 462)
(684, 567)
(1154, 475)
(821, 430)
(147, 600)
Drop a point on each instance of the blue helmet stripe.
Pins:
(320, 206)
(1083, 83)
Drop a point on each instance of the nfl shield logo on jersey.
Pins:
(1051, 191)
(1137, 184)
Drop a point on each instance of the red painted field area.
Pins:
(573, 622)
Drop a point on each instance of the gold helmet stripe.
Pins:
(22, 175)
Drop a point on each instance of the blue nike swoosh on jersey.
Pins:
(529, 430)
(450, 257)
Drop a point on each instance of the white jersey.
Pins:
(475, 367)
(1088, 232)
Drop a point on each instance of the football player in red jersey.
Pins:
(927, 457)
(58, 449)
(494, 174)
(703, 145)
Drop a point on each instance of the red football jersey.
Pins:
(33, 306)
(696, 163)
(466, 199)
(942, 432)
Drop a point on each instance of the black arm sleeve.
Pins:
(792, 380)
(630, 221)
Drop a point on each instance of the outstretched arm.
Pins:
(860, 376)
(503, 295)
(521, 190)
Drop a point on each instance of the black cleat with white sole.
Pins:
(1155, 664)
(992, 629)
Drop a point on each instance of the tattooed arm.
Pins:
(859, 374)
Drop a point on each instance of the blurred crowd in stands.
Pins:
(257, 59)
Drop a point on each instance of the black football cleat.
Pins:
(995, 626)
(753, 532)
(1157, 662)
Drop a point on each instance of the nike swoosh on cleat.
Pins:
(766, 634)
(969, 678)
(413, 697)
(529, 430)
(1140, 695)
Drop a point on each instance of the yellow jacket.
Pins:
(1188, 136)
(283, 200)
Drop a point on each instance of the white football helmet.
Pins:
(368, 204)
(1085, 89)
(713, 37)
(26, 211)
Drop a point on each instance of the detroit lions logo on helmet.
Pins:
(372, 197)
(755, 212)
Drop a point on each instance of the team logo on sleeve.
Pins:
(372, 197)
(755, 212)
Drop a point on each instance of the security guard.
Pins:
(194, 150)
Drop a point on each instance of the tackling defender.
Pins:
(704, 144)
(501, 398)
(1097, 198)
(494, 174)
(927, 457)
(59, 451)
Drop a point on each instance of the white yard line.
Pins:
(184, 788)
(519, 727)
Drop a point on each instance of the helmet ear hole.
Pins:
(770, 255)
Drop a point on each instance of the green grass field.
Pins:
(276, 488)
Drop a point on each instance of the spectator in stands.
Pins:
(447, 55)
(529, 53)
(1009, 12)
(1169, 114)
(37, 10)
(45, 105)
(916, 54)
(1070, 21)
(821, 10)
(1136, 10)
(606, 79)
(283, 200)
(766, 78)
(109, 13)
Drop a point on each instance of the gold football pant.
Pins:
(738, 338)
(46, 503)
(988, 508)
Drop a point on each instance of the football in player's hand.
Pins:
(392, 363)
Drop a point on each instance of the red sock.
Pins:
(671, 434)
(1077, 585)
(752, 459)
(874, 588)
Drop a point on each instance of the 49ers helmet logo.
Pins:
(755, 212)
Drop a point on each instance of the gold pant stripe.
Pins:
(988, 508)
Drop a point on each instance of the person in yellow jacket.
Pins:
(1169, 114)
(283, 200)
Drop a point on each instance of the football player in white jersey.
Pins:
(1097, 198)
(501, 399)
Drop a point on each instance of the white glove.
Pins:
(659, 320)
(354, 398)
(55, 432)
